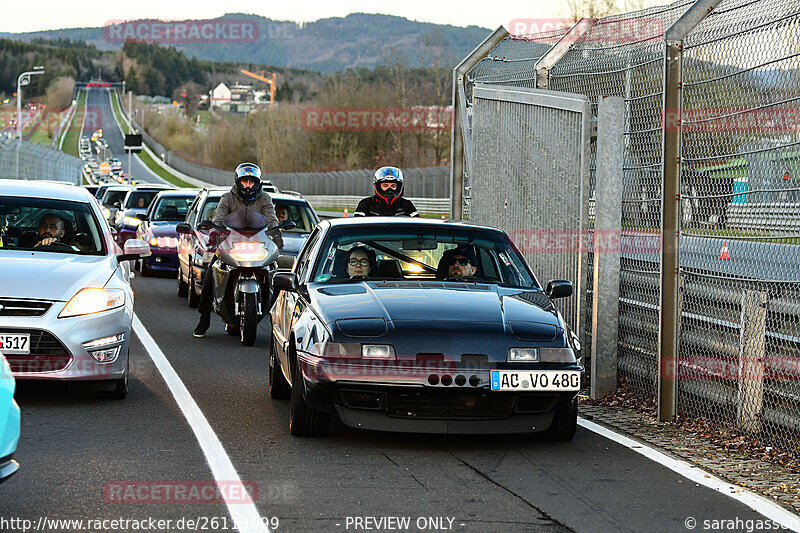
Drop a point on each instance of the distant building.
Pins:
(237, 98)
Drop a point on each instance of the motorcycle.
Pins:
(246, 258)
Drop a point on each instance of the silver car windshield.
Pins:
(55, 226)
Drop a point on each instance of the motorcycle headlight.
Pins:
(92, 300)
(106, 212)
(246, 252)
(131, 221)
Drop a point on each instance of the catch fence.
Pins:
(711, 162)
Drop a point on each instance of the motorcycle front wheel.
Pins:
(248, 322)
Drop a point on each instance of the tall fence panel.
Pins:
(30, 161)
(530, 169)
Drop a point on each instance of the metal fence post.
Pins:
(669, 316)
(752, 345)
(607, 244)
(459, 126)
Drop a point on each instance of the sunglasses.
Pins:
(463, 261)
(386, 186)
(355, 262)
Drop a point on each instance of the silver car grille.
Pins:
(17, 307)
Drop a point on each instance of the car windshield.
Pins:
(298, 212)
(56, 226)
(446, 253)
(113, 196)
(172, 208)
(140, 199)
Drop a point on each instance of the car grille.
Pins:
(13, 307)
(47, 353)
(432, 404)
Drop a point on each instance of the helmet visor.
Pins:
(252, 172)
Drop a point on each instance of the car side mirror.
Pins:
(184, 229)
(559, 288)
(141, 216)
(206, 225)
(285, 281)
(286, 224)
(117, 204)
(134, 249)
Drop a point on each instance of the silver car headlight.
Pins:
(93, 300)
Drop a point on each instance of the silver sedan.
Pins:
(66, 303)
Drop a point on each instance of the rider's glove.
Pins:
(277, 238)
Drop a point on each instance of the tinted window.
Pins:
(172, 208)
(298, 212)
(209, 208)
(26, 222)
(140, 198)
(111, 197)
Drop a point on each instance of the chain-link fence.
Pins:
(736, 133)
(29, 161)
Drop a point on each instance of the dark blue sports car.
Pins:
(400, 324)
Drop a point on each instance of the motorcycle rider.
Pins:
(388, 199)
(246, 193)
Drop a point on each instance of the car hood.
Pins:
(431, 306)
(51, 276)
(163, 228)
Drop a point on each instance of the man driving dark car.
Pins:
(461, 263)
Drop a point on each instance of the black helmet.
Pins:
(249, 171)
(388, 175)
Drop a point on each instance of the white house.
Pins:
(220, 95)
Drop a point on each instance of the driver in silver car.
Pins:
(51, 229)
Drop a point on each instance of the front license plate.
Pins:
(536, 380)
(15, 344)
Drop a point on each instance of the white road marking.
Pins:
(245, 515)
(758, 503)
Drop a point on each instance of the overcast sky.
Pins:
(53, 14)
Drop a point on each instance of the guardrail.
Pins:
(780, 217)
(423, 205)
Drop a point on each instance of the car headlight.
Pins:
(131, 221)
(377, 351)
(93, 300)
(106, 212)
(557, 355)
(523, 355)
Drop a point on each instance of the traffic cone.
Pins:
(345, 212)
(724, 253)
(444, 217)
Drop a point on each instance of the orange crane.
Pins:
(271, 80)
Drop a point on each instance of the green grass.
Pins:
(144, 157)
(40, 136)
(73, 129)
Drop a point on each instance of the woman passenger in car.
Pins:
(358, 263)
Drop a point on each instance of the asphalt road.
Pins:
(74, 446)
(98, 102)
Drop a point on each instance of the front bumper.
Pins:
(427, 398)
(57, 344)
(8, 467)
(162, 259)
